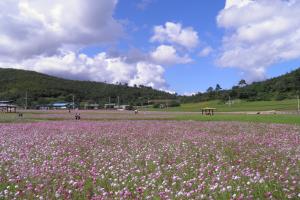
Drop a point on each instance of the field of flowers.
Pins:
(149, 160)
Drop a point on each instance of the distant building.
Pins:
(43, 107)
(110, 106)
(123, 107)
(93, 106)
(8, 107)
(164, 103)
(61, 105)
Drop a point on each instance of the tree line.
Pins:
(283, 87)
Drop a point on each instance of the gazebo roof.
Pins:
(208, 108)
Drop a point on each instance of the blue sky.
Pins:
(202, 72)
(173, 45)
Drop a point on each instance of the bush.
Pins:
(156, 105)
(281, 96)
(174, 104)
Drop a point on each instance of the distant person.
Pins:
(136, 112)
(77, 116)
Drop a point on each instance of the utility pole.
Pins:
(26, 100)
(73, 97)
(118, 101)
(229, 101)
(298, 103)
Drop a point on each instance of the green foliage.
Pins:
(242, 83)
(210, 89)
(218, 88)
(173, 104)
(44, 89)
(283, 87)
(156, 105)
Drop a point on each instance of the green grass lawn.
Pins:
(278, 119)
(238, 106)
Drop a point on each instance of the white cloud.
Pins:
(167, 55)
(174, 33)
(206, 51)
(44, 36)
(268, 34)
(34, 27)
(189, 93)
(98, 68)
(238, 3)
(150, 75)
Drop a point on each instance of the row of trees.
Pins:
(43, 89)
(283, 87)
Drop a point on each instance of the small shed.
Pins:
(208, 111)
(110, 106)
(123, 107)
(6, 106)
(61, 105)
(93, 106)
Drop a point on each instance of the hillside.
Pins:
(43, 89)
(236, 106)
(283, 87)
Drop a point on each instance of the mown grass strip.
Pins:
(276, 119)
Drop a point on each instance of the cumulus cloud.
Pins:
(259, 34)
(101, 67)
(206, 51)
(44, 36)
(34, 27)
(189, 93)
(167, 55)
(174, 33)
(150, 75)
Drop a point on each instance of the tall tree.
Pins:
(210, 89)
(242, 83)
(218, 88)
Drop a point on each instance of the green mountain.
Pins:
(44, 89)
(282, 87)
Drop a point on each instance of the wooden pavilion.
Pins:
(208, 111)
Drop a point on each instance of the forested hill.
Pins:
(283, 87)
(43, 89)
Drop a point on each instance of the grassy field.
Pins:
(277, 119)
(120, 115)
(237, 106)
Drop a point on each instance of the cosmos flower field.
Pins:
(149, 160)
